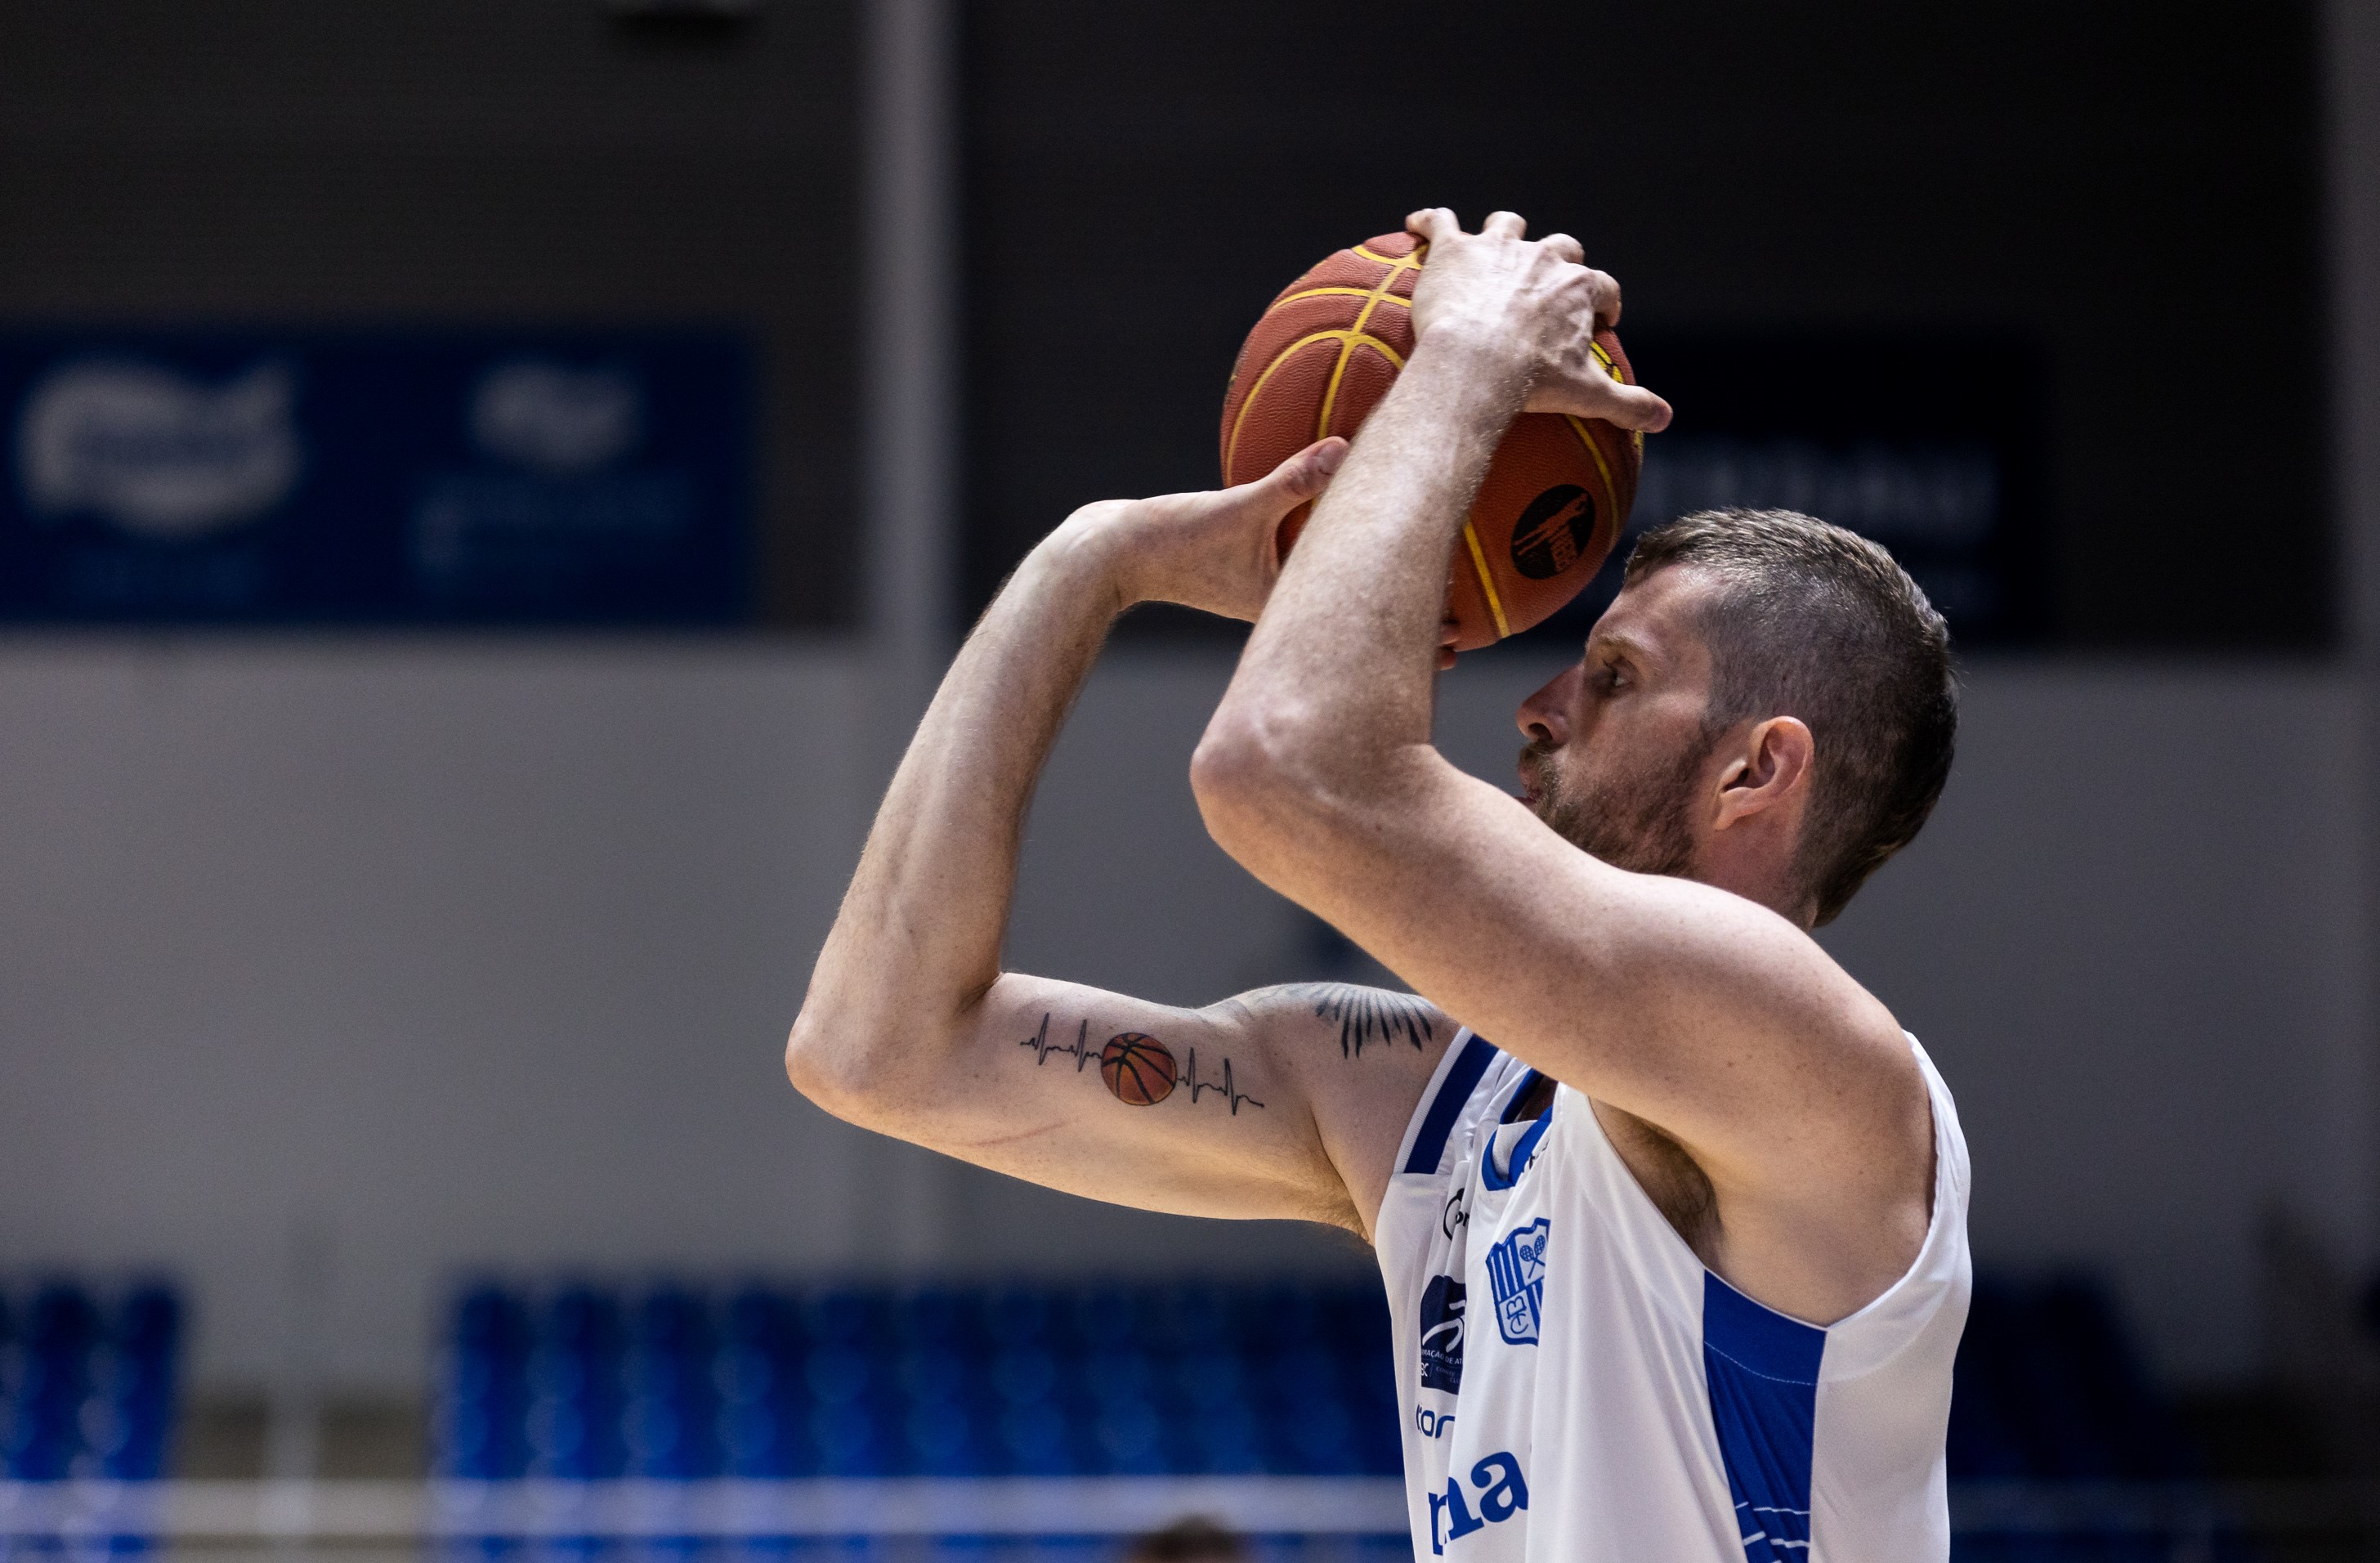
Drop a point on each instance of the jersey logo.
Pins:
(1516, 1270)
(1503, 1492)
(1441, 1335)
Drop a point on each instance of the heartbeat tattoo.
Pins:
(1369, 1014)
(1080, 1049)
(1232, 1094)
(1138, 1069)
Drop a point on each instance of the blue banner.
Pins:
(303, 477)
(1931, 443)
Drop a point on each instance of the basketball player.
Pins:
(1672, 1212)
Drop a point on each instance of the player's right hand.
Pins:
(1532, 298)
(1216, 550)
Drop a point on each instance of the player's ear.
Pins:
(1767, 768)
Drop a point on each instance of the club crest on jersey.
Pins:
(1441, 1335)
(1516, 1271)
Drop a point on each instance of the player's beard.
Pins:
(1639, 818)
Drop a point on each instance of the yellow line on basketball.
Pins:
(1233, 448)
(1372, 301)
(1610, 493)
(1343, 292)
(1487, 581)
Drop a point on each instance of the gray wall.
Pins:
(467, 953)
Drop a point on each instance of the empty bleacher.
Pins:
(580, 1382)
(618, 1391)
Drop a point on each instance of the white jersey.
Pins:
(1580, 1388)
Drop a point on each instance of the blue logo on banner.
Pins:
(308, 477)
(1516, 1270)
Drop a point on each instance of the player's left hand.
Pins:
(1219, 550)
(1533, 297)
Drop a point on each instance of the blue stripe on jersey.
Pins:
(1763, 1395)
(1493, 1177)
(1461, 1080)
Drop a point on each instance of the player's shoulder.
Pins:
(1362, 1058)
(1359, 1023)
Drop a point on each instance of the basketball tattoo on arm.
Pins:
(1368, 1014)
(1138, 1069)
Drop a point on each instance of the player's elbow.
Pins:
(810, 1063)
(1251, 787)
(828, 1059)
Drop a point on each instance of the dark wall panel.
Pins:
(2128, 191)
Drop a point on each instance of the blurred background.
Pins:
(490, 486)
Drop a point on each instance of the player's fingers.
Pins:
(1504, 225)
(1307, 473)
(1633, 407)
(1564, 248)
(1606, 288)
(1433, 223)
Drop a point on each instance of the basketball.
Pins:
(1555, 496)
(1138, 1070)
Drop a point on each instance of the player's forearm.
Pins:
(917, 941)
(1340, 670)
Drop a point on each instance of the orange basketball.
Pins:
(1555, 496)
(1138, 1068)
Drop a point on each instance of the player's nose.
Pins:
(1544, 716)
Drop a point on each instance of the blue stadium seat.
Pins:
(88, 1388)
(480, 1427)
(575, 1425)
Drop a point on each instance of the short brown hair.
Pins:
(1815, 622)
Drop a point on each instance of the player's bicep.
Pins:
(1119, 1099)
(1230, 1110)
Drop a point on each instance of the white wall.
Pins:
(483, 952)
(2132, 939)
